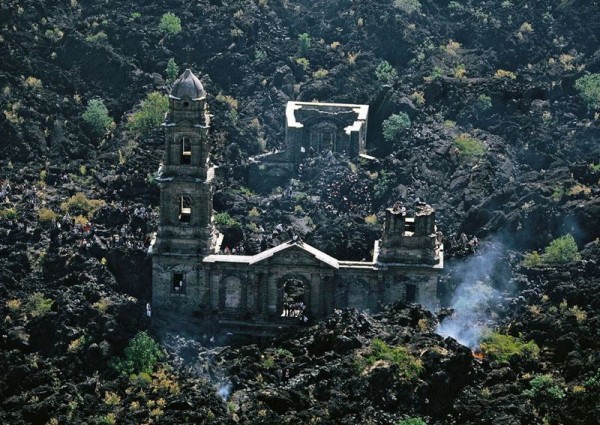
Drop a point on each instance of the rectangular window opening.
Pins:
(178, 284)
(186, 151)
(411, 293)
(185, 209)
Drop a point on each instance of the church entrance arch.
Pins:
(293, 296)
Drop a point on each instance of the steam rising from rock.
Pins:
(472, 298)
(224, 390)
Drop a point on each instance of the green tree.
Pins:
(395, 125)
(150, 115)
(385, 72)
(589, 89)
(562, 250)
(304, 42)
(97, 118)
(169, 23)
(172, 70)
(141, 354)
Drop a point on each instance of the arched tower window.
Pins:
(186, 150)
(185, 209)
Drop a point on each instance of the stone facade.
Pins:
(311, 128)
(253, 291)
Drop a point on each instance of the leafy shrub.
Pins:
(141, 355)
(503, 347)
(562, 250)
(108, 419)
(34, 83)
(407, 6)
(589, 89)
(532, 259)
(97, 118)
(544, 387)
(409, 366)
(46, 215)
(483, 102)
(8, 213)
(371, 219)
(385, 72)
(411, 421)
(593, 382)
(468, 146)
(224, 219)
(395, 125)
(99, 37)
(172, 70)
(304, 43)
(79, 204)
(229, 100)
(13, 305)
(320, 74)
(150, 116)
(502, 73)
(169, 23)
(38, 305)
(303, 62)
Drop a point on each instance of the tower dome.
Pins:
(188, 85)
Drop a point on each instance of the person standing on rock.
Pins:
(148, 310)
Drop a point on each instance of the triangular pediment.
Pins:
(293, 253)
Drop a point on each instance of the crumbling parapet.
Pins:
(410, 240)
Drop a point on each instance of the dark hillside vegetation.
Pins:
(502, 138)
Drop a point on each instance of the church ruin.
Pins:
(311, 128)
(257, 292)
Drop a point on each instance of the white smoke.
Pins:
(473, 297)
(224, 390)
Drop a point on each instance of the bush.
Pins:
(483, 103)
(395, 125)
(385, 72)
(141, 355)
(304, 43)
(503, 347)
(409, 366)
(532, 259)
(407, 6)
(468, 146)
(79, 204)
(37, 305)
(169, 23)
(224, 219)
(589, 89)
(562, 250)
(172, 70)
(46, 215)
(150, 116)
(8, 213)
(544, 387)
(97, 118)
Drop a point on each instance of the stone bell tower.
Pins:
(186, 232)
